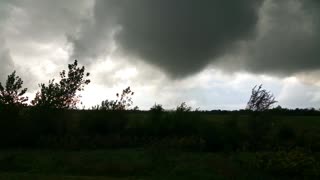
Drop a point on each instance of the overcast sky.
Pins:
(207, 53)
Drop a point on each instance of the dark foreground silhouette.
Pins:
(274, 143)
(51, 139)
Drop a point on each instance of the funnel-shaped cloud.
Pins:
(180, 37)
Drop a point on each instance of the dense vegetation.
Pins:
(52, 138)
(277, 142)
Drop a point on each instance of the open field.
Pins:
(91, 144)
(126, 164)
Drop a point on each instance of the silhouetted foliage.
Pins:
(136, 108)
(295, 162)
(123, 102)
(285, 133)
(12, 93)
(183, 107)
(106, 105)
(157, 108)
(259, 128)
(260, 99)
(64, 93)
(281, 145)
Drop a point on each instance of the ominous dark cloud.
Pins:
(7, 65)
(183, 37)
(153, 45)
(288, 40)
(180, 37)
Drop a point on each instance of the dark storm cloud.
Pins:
(95, 34)
(289, 38)
(7, 65)
(180, 37)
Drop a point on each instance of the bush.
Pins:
(259, 126)
(293, 163)
(233, 138)
(103, 122)
(309, 139)
(286, 136)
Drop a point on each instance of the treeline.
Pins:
(274, 111)
(60, 128)
(52, 120)
(282, 145)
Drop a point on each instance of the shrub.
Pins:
(183, 107)
(295, 162)
(123, 102)
(157, 108)
(285, 133)
(259, 126)
(233, 138)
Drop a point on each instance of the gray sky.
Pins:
(206, 53)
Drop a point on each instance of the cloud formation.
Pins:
(6, 63)
(289, 38)
(183, 37)
(34, 32)
(161, 47)
(180, 37)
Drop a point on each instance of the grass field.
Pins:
(28, 176)
(125, 164)
(86, 144)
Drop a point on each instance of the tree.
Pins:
(157, 108)
(63, 94)
(183, 107)
(136, 108)
(123, 102)
(260, 99)
(12, 93)
(107, 105)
